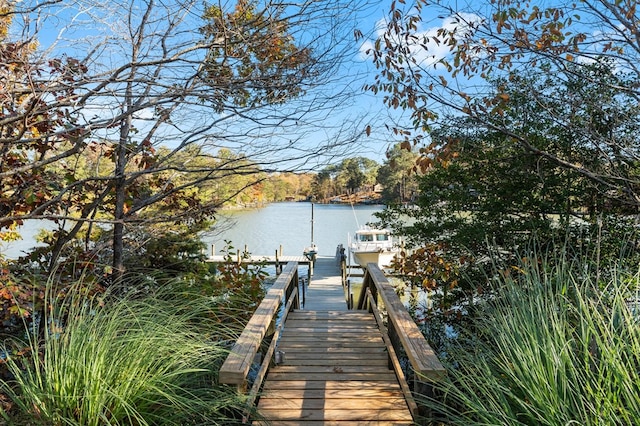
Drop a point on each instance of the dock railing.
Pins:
(404, 334)
(235, 369)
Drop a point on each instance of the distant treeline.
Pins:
(357, 179)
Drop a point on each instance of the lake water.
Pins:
(288, 225)
(29, 233)
(263, 231)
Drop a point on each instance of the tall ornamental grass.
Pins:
(552, 347)
(148, 360)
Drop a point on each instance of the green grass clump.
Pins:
(552, 347)
(148, 360)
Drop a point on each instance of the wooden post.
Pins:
(424, 386)
(296, 305)
(291, 288)
(374, 289)
(393, 336)
(277, 263)
(213, 250)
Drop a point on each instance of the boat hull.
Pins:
(382, 258)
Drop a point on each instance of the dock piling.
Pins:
(303, 282)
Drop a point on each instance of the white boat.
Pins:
(371, 245)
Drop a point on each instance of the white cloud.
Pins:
(425, 49)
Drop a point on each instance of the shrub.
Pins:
(553, 347)
(144, 360)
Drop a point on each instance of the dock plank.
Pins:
(330, 385)
(331, 314)
(321, 393)
(347, 402)
(331, 423)
(335, 372)
(346, 358)
(327, 414)
(325, 292)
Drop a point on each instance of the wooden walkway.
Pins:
(335, 372)
(336, 365)
(323, 364)
(325, 291)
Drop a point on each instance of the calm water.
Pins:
(29, 233)
(264, 230)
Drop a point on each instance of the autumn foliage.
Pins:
(440, 61)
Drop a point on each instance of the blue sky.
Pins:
(360, 107)
(428, 58)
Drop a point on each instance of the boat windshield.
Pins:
(373, 237)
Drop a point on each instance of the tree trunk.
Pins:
(120, 177)
(120, 198)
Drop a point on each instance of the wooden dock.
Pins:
(325, 291)
(269, 260)
(325, 364)
(335, 372)
(335, 368)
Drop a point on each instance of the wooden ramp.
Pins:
(335, 372)
(325, 292)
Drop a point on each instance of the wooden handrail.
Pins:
(236, 367)
(393, 357)
(292, 300)
(424, 361)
